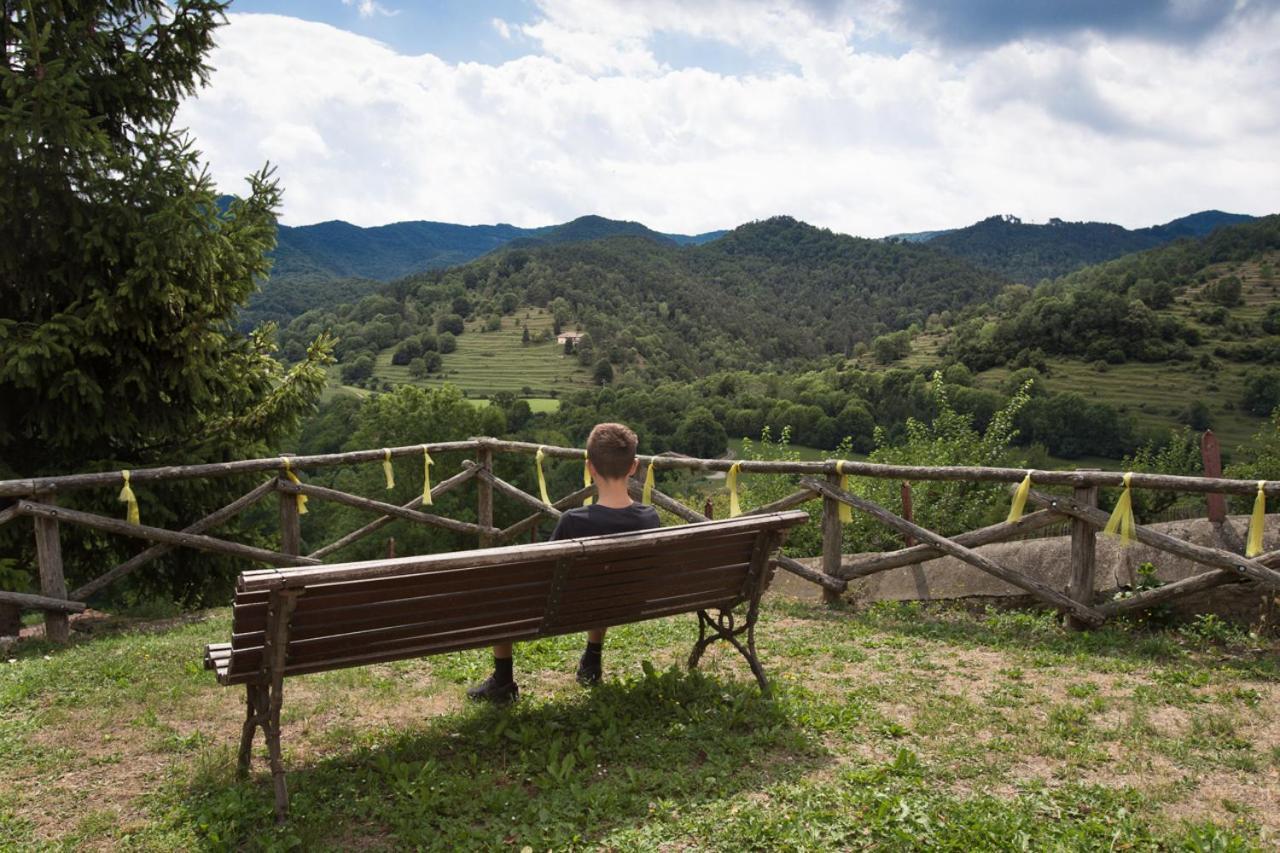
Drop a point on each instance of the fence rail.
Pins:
(818, 481)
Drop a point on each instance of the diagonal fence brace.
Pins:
(1045, 593)
(1241, 566)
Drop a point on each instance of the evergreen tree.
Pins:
(120, 274)
(120, 279)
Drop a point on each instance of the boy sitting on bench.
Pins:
(611, 458)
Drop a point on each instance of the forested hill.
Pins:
(1030, 253)
(770, 292)
(334, 262)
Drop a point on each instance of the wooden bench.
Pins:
(316, 618)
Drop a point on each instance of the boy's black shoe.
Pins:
(495, 692)
(589, 669)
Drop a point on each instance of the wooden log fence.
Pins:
(816, 481)
(438, 490)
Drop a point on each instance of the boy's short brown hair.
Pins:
(611, 448)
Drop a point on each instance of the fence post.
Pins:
(907, 539)
(832, 539)
(290, 524)
(1084, 538)
(484, 493)
(1211, 455)
(10, 619)
(52, 583)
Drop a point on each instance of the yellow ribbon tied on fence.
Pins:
(426, 476)
(731, 480)
(542, 481)
(646, 495)
(1019, 499)
(845, 511)
(1254, 546)
(1121, 522)
(387, 470)
(293, 478)
(127, 496)
(586, 479)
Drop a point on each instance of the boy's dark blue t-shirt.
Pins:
(596, 520)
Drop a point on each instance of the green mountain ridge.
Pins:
(333, 262)
(1030, 253)
(781, 324)
(771, 292)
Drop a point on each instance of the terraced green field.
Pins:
(538, 405)
(488, 362)
(1155, 395)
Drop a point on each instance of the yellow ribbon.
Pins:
(293, 478)
(1121, 522)
(127, 496)
(542, 481)
(1254, 546)
(731, 480)
(646, 496)
(586, 478)
(387, 470)
(1019, 499)
(845, 511)
(426, 476)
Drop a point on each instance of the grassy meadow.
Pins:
(488, 362)
(896, 728)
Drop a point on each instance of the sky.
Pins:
(869, 118)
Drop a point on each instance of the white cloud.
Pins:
(503, 28)
(369, 8)
(1121, 130)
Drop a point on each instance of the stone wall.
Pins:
(1049, 561)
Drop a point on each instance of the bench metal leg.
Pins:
(724, 627)
(255, 716)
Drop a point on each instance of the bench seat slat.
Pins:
(393, 609)
(410, 645)
(691, 552)
(357, 620)
(654, 575)
(385, 656)
(727, 581)
(252, 615)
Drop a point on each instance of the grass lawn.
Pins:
(899, 727)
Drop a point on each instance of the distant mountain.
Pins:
(1029, 253)
(328, 263)
(590, 228)
(696, 239)
(919, 236)
(388, 252)
(776, 292)
(384, 252)
(1200, 224)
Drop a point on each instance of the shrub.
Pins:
(451, 323)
